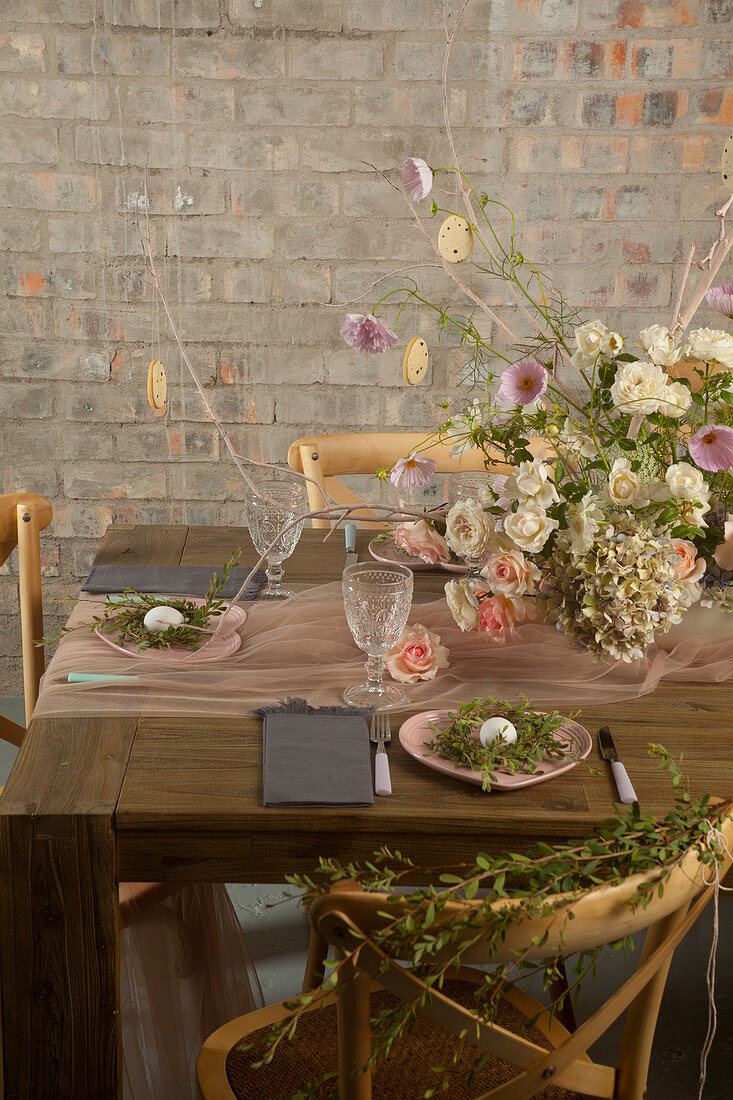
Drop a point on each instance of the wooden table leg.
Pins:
(59, 927)
(59, 912)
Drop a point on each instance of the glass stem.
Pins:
(374, 670)
(274, 576)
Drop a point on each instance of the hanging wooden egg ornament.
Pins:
(157, 386)
(415, 363)
(455, 239)
(726, 163)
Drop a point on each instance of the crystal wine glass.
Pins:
(377, 600)
(270, 510)
(474, 486)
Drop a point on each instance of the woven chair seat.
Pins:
(313, 1052)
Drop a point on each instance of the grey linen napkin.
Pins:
(315, 757)
(189, 580)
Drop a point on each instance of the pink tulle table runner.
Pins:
(303, 646)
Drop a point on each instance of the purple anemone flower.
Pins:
(524, 382)
(417, 178)
(367, 333)
(414, 471)
(721, 298)
(712, 447)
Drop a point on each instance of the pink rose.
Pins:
(687, 565)
(510, 574)
(497, 615)
(422, 541)
(417, 656)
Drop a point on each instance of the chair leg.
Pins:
(641, 1016)
(354, 1034)
(314, 968)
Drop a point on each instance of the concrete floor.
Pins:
(277, 933)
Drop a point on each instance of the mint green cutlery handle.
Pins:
(90, 677)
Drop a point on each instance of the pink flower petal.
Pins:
(711, 448)
(721, 299)
(416, 177)
(367, 333)
(414, 471)
(524, 382)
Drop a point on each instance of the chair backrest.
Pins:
(322, 457)
(22, 518)
(348, 917)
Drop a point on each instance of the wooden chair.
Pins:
(546, 1059)
(322, 457)
(22, 518)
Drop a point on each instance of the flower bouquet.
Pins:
(612, 506)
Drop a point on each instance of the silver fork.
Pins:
(380, 733)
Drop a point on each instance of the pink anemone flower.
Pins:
(721, 299)
(414, 471)
(524, 382)
(417, 178)
(367, 333)
(712, 447)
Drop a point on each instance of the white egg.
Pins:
(497, 727)
(159, 619)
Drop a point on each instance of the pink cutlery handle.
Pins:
(382, 781)
(623, 784)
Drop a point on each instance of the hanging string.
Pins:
(716, 842)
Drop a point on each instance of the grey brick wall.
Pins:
(601, 123)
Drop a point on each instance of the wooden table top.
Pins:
(190, 802)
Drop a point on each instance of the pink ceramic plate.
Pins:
(416, 732)
(227, 643)
(385, 550)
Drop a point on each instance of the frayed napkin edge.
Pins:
(293, 704)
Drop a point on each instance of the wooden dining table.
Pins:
(92, 802)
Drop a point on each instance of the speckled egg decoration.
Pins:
(455, 239)
(726, 162)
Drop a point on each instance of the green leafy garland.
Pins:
(126, 620)
(535, 738)
(432, 941)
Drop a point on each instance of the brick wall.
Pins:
(602, 124)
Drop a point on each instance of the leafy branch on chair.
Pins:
(454, 907)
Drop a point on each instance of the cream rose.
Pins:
(612, 343)
(685, 482)
(624, 487)
(462, 604)
(710, 345)
(468, 529)
(531, 482)
(659, 345)
(638, 387)
(584, 523)
(574, 440)
(675, 401)
(529, 527)
(417, 656)
(510, 574)
(422, 541)
(589, 338)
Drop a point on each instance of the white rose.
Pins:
(589, 338)
(710, 345)
(529, 527)
(685, 482)
(612, 343)
(675, 401)
(638, 387)
(624, 487)
(659, 345)
(462, 604)
(531, 482)
(584, 523)
(468, 529)
(574, 440)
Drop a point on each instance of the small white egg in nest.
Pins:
(497, 727)
(163, 618)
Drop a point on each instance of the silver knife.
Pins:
(350, 538)
(626, 792)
